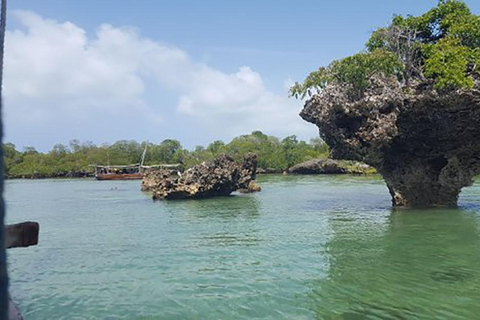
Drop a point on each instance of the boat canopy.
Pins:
(176, 165)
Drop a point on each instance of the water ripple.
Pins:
(315, 247)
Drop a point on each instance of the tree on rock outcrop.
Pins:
(409, 104)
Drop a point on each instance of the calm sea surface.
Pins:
(306, 247)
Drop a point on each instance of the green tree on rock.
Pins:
(441, 46)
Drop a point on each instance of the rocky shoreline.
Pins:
(68, 175)
(330, 166)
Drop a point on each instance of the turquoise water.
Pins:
(306, 247)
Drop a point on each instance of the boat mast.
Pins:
(143, 155)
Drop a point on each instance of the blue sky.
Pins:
(195, 71)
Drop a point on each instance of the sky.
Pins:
(195, 71)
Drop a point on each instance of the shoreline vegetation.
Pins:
(74, 161)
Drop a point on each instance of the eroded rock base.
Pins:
(428, 184)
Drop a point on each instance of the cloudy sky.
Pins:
(195, 71)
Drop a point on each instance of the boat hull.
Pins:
(119, 176)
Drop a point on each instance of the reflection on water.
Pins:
(416, 264)
(216, 218)
(236, 205)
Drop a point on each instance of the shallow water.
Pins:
(306, 247)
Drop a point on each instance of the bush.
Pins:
(353, 71)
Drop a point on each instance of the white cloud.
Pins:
(55, 74)
(240, 103)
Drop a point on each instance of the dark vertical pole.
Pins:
(3, 255)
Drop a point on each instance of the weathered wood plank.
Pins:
(23, 234)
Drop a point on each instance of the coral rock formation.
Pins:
(426, 144)
(219, 177)
(318, 166)
(330, 166)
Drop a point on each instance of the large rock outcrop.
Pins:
(426, 144)
(219, 177)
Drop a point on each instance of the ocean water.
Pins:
(306, 247)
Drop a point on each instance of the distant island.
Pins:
(274, 156)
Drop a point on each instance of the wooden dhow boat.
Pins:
(127, 172)
(130, 172)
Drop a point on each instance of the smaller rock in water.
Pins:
(251, 188)
(317, 166)
(218, 177)
(330, 166)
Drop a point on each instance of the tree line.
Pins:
(75, 159)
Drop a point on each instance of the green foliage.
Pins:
(163, 153)
(353, 71)
(442, 45)
(447, 61)
(449, 38)
(76, 158)
(125, 152)
(12, 157)
(357, 69)
(467, 30)
(315, 81)
(438, 22)
(272, 153)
